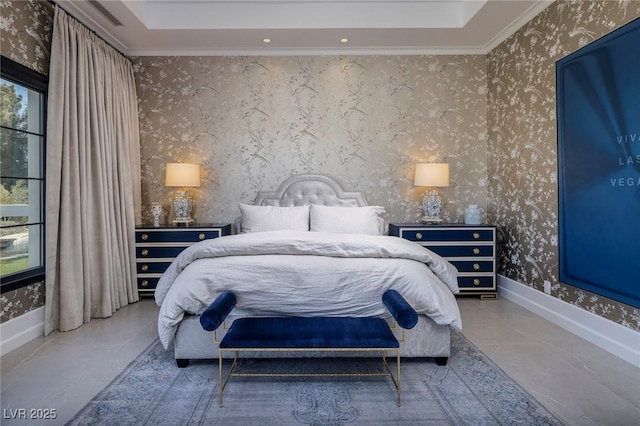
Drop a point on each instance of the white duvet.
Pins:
(306, 273)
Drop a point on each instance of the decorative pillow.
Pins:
(273, 218)
(348, 220)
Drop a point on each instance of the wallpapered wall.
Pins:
(365, 121)
(522, 167)
(251, 122)
(25, 37)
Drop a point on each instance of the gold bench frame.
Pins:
(222, 383)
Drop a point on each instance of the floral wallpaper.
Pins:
(522, 147)
(25, 37)
(251, 122)
(25, 32)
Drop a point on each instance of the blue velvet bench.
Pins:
(309, 334)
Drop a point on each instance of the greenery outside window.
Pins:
(22, 154)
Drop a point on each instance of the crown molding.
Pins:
(345, 51)
(522, 20)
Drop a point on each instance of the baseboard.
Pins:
(20, 330)
(617, 339)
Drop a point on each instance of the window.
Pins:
(22, 143)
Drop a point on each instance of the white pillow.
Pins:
(274, 218)
(348, 220)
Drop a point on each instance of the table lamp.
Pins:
(433, 176)
(182, 175)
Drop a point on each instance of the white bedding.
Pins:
(306, 273)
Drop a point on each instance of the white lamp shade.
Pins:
(431, 174)
(182, 175)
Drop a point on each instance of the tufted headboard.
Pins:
(310, 189)
(307, 189)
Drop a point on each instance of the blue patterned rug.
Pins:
(470, 390)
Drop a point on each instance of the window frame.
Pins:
(27, 77)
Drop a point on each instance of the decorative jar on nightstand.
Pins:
(472, 215)
(156, 213)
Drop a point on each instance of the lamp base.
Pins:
(431, 205)
(429, 219)
(182, 207)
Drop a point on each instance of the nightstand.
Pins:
(156, 248)
(470, 248)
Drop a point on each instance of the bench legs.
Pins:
(222, 380)
(221, 384)
(396, 379)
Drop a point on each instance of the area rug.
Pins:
(469, 390)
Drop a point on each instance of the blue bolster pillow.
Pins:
(217, 311)
(402, 312)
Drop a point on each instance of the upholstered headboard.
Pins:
(308, 189)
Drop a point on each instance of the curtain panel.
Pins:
(92, 178)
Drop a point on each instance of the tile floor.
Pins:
(578, 381)
(581, 383)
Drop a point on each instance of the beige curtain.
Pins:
(92, 178)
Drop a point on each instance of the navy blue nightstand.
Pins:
(470, 248)
(156, 248)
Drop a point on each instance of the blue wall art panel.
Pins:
(598, 101)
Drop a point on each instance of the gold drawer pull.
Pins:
(476, 235)
(144, 283)
(419, 236)
(145, 267)
(476, 281)
(145, 252)
(476, 250)
(202, 236)
(145, 237)
(476, 266)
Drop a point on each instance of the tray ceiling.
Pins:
(302, 27)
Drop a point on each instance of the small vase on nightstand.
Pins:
(472, 215)
(156, 212)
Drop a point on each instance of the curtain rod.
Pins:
(54, 3)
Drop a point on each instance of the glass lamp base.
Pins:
(182, 207)
(431, 205)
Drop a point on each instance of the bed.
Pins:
(307, 272)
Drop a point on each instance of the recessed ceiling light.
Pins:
(266, 40)
(344, 40)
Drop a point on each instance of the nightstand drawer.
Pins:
(173, 236)
(147, 283)
(463, 251)
(472, 266)
(469, 283)
(151, 267)
(153, 252)
(426, 234)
